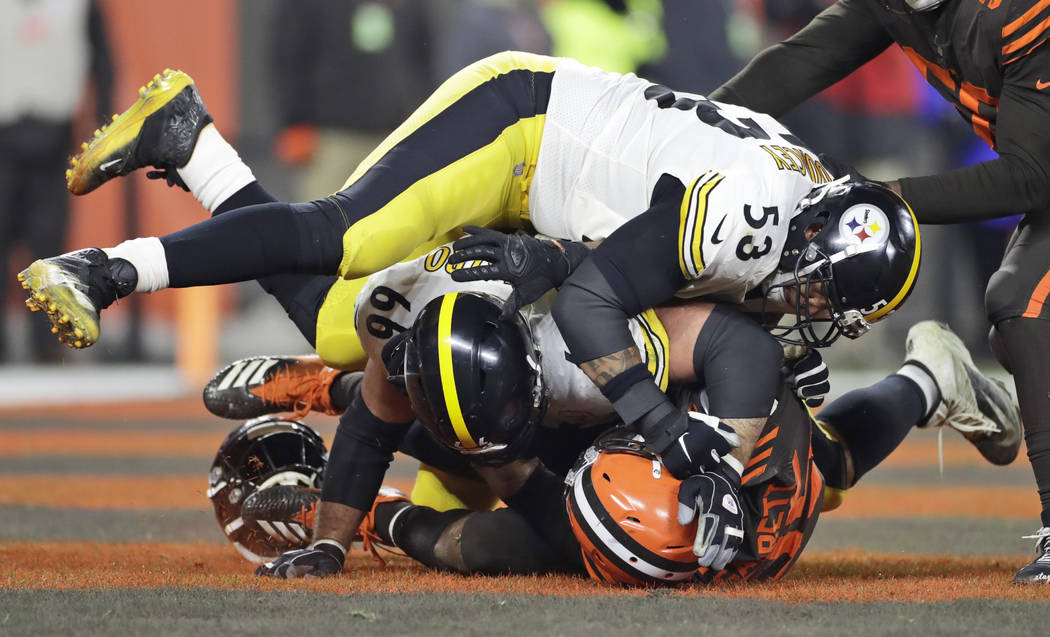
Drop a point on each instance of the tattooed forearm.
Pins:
(602, 370)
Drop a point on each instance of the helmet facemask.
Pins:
(811, 330)
(859, 242)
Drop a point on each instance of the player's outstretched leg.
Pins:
(979, 407)
(253, 387)
(73, 288)
(160, 130)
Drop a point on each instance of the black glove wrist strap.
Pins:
(660, 433)
(331, 547)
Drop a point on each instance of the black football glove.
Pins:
(712, 498)
(532, 266)
(810, 378)
(705, 441)
(321, 559)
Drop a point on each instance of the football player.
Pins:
(990, 60)
(489, 400)
(613, 148)
(756, 516)
(724, 200)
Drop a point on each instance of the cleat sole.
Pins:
(116, 140)
(74, 324)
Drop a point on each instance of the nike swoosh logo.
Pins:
(1040, 85)
(715, 240)
(109, 164)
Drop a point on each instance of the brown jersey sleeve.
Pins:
(834, 44)
(1019, 180)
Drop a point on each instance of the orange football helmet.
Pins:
(623, 508)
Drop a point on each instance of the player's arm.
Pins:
(1018, 181)
(368, 434)
(834, 44)
(637, 267)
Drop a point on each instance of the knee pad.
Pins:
(337, 343)
(443, 491)
(1003, 298)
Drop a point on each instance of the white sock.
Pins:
(147, 255)
(927, 386)
(215, 171)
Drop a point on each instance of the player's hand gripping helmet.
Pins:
(259, 454)
(860, 242)
(623, 509)
(474, 380)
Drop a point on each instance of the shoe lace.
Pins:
(301, 392)
(969, 423)
(1038, 535)
(966, 424)
(370, 538)
(371, 543)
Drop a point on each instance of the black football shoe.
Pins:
(285, 512)
(1038, 572)
(73, 288)
(160, 130)
(253, 387)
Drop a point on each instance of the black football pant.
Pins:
(1016, 302)
(301, 295)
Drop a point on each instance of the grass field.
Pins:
(105, 529)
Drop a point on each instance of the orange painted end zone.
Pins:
(850, 576)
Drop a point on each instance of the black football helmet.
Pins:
(259, 454)
(474, 380)
(860, 241)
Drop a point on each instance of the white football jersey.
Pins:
(391, 299)
(609, 138)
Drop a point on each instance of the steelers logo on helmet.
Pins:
(865, 225)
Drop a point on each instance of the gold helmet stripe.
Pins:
(448, 377)
(903, 293)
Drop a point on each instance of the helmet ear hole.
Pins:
(813, 229)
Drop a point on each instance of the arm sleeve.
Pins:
(1019, 180)
(637, 267)
(834, 44)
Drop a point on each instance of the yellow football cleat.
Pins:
(160, 129)
(71, 289)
